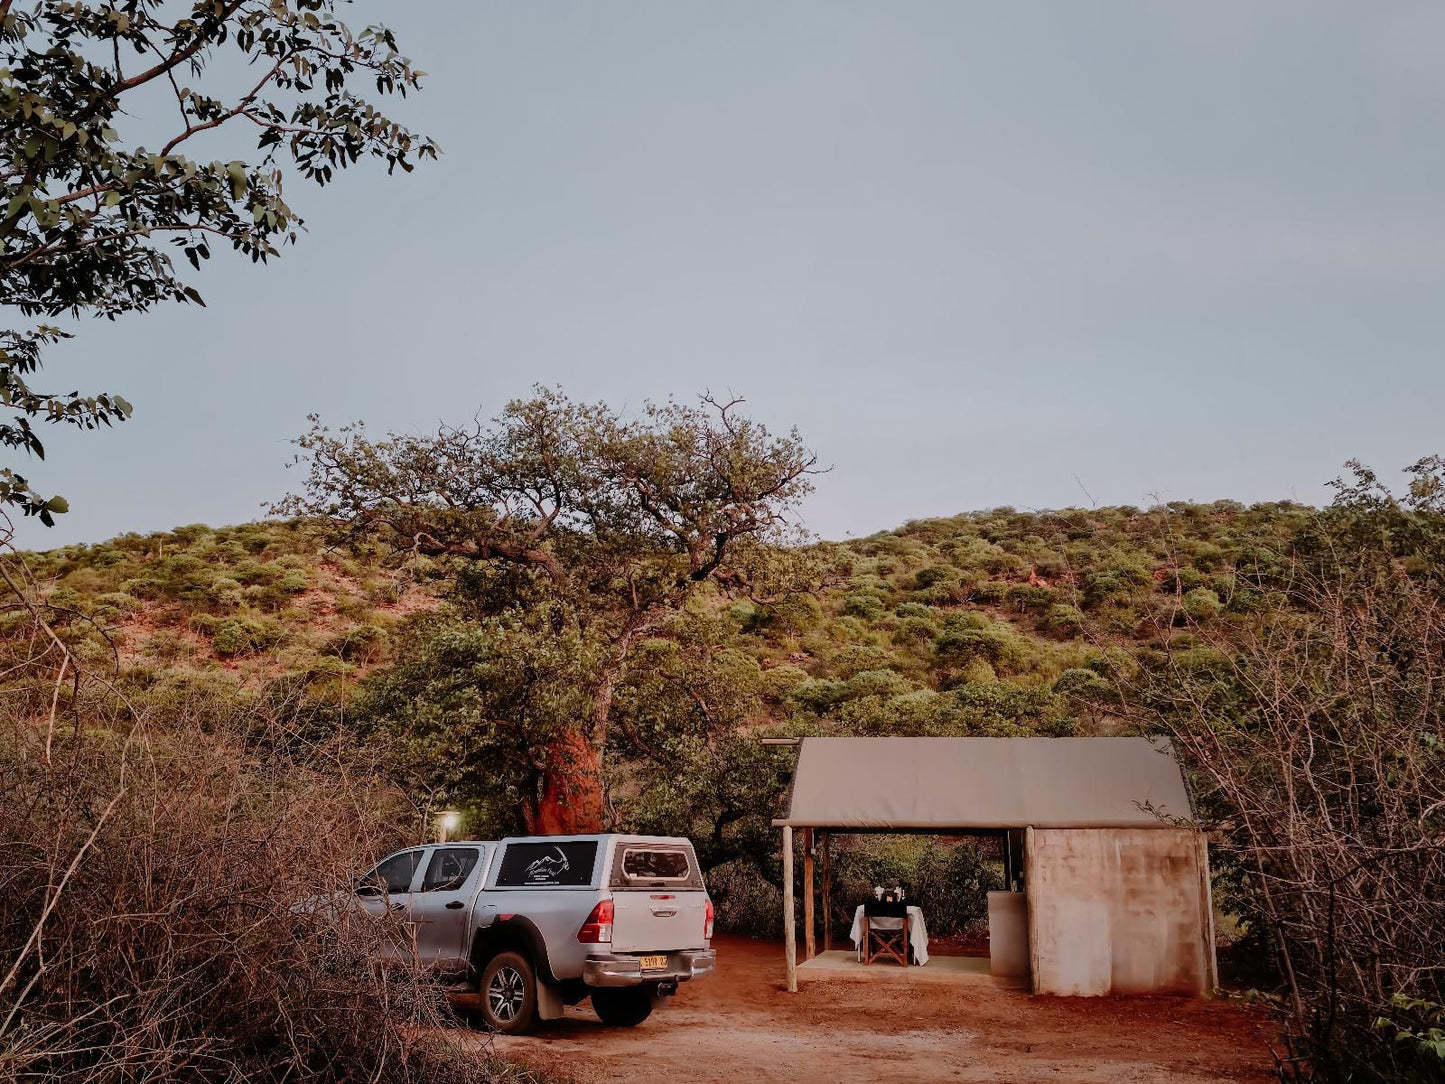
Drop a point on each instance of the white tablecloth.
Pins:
(917, 931)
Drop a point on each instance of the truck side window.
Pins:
(449, 868)
(394, 874)
(547, 865)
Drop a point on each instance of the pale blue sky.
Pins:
(973, 250)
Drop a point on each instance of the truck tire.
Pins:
(622, 1008)
(507, 994)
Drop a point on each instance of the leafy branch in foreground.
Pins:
(90, 220)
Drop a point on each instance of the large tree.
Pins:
(90, 219)
(577, 532)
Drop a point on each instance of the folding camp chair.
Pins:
(885, 940)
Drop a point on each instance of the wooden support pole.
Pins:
(810, 936)
(827, 910)
(1031, 903)
(790, 937)
(1206, 903)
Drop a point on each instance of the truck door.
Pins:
(386, 892)
(658, 897)
(442, 909)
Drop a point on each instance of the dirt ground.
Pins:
(741, 1025)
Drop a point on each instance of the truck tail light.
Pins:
(597, 930)
(707, 923)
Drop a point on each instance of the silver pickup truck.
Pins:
(541, 922)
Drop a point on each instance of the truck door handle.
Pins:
(397, 906)
(455, 905)
(664, 912)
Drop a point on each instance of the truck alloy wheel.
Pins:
(508, 993)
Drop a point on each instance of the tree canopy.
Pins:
(92, 220)
(585, 531)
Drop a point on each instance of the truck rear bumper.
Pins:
(609, 970)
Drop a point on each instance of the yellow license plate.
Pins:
(654, 963)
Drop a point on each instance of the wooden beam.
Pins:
(790, 937)
(810, 937)
(1206, 905)
(823, 838)
(1031, 903)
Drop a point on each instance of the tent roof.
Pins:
(954, 783)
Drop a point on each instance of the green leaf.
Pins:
(58, 505)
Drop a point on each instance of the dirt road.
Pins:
(741, 1026)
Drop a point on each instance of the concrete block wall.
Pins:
(1119, 911)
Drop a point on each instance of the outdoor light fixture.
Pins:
(447, 819)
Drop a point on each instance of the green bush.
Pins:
(883, 683)
(777, 682)
(226, 594)
(964, 639)
(795, 614)
(848, 630)
(748, 616)
(912, 631)
(952, 886)
(1022, 597)
(106, 556)
(1202, 604)
(909, 714)
(237, 636)
(1103, 587)
(990, 592)
(977, 670)
(745, 903)
(925, 578)
(1066, 621)
(362, 644)
(817, 695)
(863, 604)
(855, 658)
(230, 638)
(67, 598)
(294, 581)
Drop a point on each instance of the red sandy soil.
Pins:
(741, 1025)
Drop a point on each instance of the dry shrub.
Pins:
(1317, 737)
(178, 906)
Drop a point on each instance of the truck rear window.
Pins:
(655, 865)
(547, 865)
(638, 865)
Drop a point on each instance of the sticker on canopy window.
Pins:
(547, 865)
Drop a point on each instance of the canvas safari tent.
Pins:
(1112, 879)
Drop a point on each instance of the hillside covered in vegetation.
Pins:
(994, 622)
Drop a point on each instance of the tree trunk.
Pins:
(571, 799)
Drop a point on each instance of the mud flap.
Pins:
(549, 1001)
